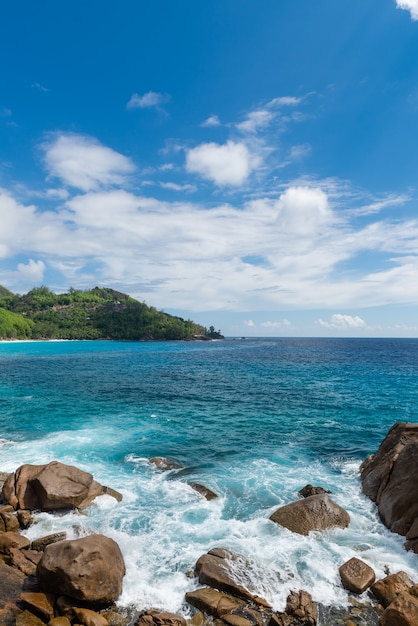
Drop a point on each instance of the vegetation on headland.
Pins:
(99, 313)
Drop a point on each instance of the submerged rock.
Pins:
(309, 490)
(165, 464)
(317, 512)
(204, 491)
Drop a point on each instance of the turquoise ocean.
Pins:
(253, 419)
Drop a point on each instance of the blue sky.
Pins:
(251, 165)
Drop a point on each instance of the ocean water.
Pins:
(255, 420)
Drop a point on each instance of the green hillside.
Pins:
(99, 313)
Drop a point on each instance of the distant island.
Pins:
(99, 313)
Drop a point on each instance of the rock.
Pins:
(387, 589)
(18, 559)
(59, 621)
(52, 487)
(356, 576)
(26, 618)
(216, 569)
(40, 544)
(25, 518)
(403, 611)
(9, 520)
(309, 490)
(388, 477)
(159, 618)
(213, 602)
(12, 540)
(12, 582)
(90, 569)
(86, 617)
(204, 491)
(300, 605)
(164, 464)
(317, 512)
(41, 603)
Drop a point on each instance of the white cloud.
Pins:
(175, 187)
(40, 87)
(284, 101)
(82, 162)
(212, 120)
(255, 121)
(338, 321)
(151, 99)
(223, 164)
(249, 323)
(409, 5)
(303, 211)
(32, 272)
(274, 325)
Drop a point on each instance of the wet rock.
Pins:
(160, 618)
(387, 589)
(40, 544)
(356, 576)
(213, 602)
(388, 477)
(403, 611)
(317, 512)
(51, 487)
(25, 518)
(164, 464)
(216, 569)
(90, 569)
(309, 490)
(204, 491)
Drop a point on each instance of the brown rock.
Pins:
(215, 569)
(12, 582)
(25, 518)
(317, 512)
(41, 603)
(40, 544)
(59, 621)
(12, 540)
(9, 520)
(159, 618)
(89, 569)
(19, 560)
(403, 611)
(213, 602)
(387, 589)
(300, 605)
(204, 491)
(17, 489)
(309, 490)
(388, 477)
(86, 617)
(356, 576)
(26, 618)
(165, 464)
(233, 619)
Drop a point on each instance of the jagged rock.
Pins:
(356, 576)
(40, 544)
(12, 540)
(215, 569)
(403, 611)
(12, 582)
(41, 603)
(26, 618)
(8, 520)
(51, 487)
(213, 602)
(164, 464)
(309, 490)
(317, 512)
(204, 491)
(89, 569)
(159, 618)
(25, 518)
(388, 477)
(19, 560)
(387, 589)
(300, 605)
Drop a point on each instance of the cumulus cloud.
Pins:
(409, 5)
(151, 99)
(303, 210)
(275, 325)
(249, 323)
(212, 120)
(83, 162)
(223, 164)
(338, 321)
(32, 272)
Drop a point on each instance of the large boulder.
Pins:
(388, 478)
(52, 487)
(316, 512)
(356, 575)
(90, 569)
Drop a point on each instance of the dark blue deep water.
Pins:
(253, 419)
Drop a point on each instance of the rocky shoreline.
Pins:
(59, 582)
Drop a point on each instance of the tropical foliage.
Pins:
(99, 313)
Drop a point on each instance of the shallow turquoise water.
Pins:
(255, 420)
